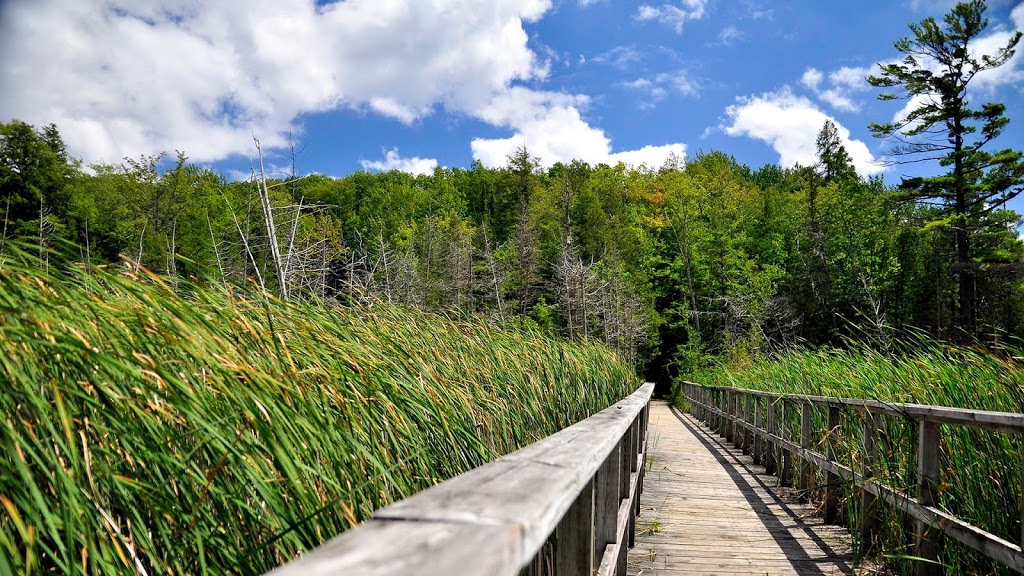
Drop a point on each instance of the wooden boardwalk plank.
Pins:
(707, 509)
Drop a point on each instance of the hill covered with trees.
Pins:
(671, 266)
(668, 266)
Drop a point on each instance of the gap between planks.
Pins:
(707, 509)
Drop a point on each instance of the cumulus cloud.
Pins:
(393, 161)
(123, 77)
(550, 126)
(985, 84)
(844, 82)
(672, 15)
(790, 124)
(812, 78)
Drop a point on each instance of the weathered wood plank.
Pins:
(928, 537)
(606, 503)
(495, 518)
(988, 544)
(389, 547)
(984, 419)
(707, 509)
(832, 486)
(574, 537)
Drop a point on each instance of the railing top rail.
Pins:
(1010, 422)
(490, 520)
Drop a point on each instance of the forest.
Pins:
(173, 339)
(700, 261)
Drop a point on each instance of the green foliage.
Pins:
(944, 126)
(695, 260)
(208, 430)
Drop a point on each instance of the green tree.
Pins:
(34, 177)
(939, 64)
(834, 163)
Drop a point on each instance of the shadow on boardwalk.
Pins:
(707, 509)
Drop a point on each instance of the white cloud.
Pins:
(672, 15)
(728, 34)
(144, 76)
(984, 84)
(659, 86)
(754, 10)
(851, 77)
(650, 156)
(121, 78)
(622, 57)
(812, 78)
(790, 124)
(392, 161)
(844, 83)
(839, 100)
(550, 126)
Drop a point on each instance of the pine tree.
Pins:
(939, 64)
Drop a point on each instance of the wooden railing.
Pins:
(564, 505)
(756, 422)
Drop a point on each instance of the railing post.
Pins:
(786, 475)
(748, 400)
(624, 467)
(574, 536)
(705, 410)
(719, 406)
(770, 462)
(607, 498)
(757, 426)
(722, 422)
(737, 412)
(703, 397)
(928, 537)
(869, 520)
(725, 410)
(806, 469)
(634, 432)
(832, 486)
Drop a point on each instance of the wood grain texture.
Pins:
(707, 509)
(1010, 422)
(493, 519)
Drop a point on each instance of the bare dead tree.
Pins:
(495, 275)
(268, 214)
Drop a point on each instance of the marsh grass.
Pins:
(196, 429)
(982, 471)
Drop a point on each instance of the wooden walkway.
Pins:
(707, 509)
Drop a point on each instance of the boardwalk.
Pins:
(706, 509)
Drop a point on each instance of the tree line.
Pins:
(672, 266)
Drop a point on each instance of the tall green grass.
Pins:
(192, 430)
(982, 471)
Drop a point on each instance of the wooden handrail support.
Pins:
(931, 522)
(578, 488)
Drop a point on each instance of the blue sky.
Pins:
(411, 84)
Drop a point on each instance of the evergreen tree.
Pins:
(834, 162)
(939, 64)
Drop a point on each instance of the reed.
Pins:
(981, 471)
(188, 429)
